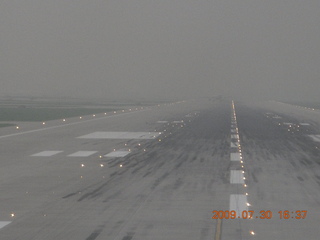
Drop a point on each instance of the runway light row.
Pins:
(307, 108)
(234, 125)
(94, 115)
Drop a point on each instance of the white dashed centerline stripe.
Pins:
(238, 203)
(234, 136)
(234, 144)
(235, 157)
(236, 177)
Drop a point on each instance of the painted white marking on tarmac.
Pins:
(238, 203)
(304, 124)
(315, 137)
(234, 144)
(82, 154)
(178, 121)
(121, 135)
(68, 124)
(233, 130)
(117, 154)
(236, 176)
(4, 223)
(162, 121)
(46, 153)
(234, 136)
(235, 157)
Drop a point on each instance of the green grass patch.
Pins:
(315, 105)
(2, 125)
(45, 114)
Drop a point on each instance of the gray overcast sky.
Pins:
(160, 48)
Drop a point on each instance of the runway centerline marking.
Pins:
(234, 136)
(235, 157)
(238, 203)
(236, 176)
(234, 144)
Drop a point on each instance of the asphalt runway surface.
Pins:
(199, 169)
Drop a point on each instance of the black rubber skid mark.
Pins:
(95, 233)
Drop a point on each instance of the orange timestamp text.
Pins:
(263, 214)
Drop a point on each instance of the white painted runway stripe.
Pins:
(234, 144)
(236, 176)
(162, 121)
(238, 203)
(315, 137)
(46, 153)
(234, 136)
(117, 154)
(178, 121)
(304, 124)
(235, 157)
(121, 135)
(82, 154)
(4, 223)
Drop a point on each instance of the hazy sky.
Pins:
(160, 48)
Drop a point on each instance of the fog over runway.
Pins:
(164, 172)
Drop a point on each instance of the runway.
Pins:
(198, 169)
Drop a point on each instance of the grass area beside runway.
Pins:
(315, 105)
(29, 114)
(6, 125)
